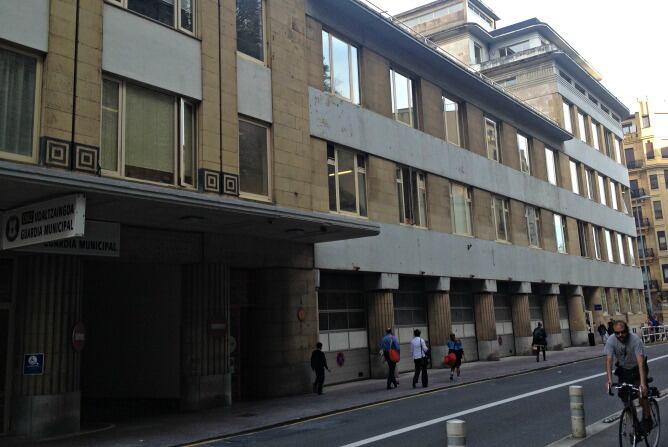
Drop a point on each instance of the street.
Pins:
(524, 410)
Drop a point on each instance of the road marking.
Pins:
(477, 409)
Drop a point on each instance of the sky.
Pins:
(627, 45)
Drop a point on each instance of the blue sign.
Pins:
(598, 306)
(33, 364)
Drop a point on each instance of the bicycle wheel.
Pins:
(654, 435)
(627, 431)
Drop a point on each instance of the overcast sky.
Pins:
(626, 41)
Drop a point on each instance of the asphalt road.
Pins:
(525, 410)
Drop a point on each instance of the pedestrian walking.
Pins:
(319, 365)
(610, 329)
(539, 341)
(455, 347)
(391, 350)
(419, 350)
(603, 332)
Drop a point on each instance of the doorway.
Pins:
(6, 338)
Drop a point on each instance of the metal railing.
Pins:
(646, 253)
(654, 334)
(635, 164)
(642, 222)
(638, 193)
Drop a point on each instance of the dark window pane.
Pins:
(324, 321)
(160, 10)
(322, 301)
(356, 320)
(250, 30)
(17, 102)
(253, 168)
(338, 321)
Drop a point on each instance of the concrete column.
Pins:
(551, 322)
(48, 306)
(576, 317)
(205, 375)
(439, 318)
(594, 301)
(521, 319)
(485, 321)
(380, 306)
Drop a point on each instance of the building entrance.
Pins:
(6, 301)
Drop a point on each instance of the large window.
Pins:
(250, 28)
(346, 174)
(661, 236)
(551, 163)
(492, 140)
(177, 13)
(568, 118)
(620, 248)
(589, 183)
(523, 147)
(613, 195)
(608, 246)
(460, 204)
(410, 309)
(501, 213)
(595, 136)
(340, 68)
(412, 190)
(158, 141)
(664, 267)
(561, 233)
(575, 176)
(18, 98)
(533, 225)
(253, 158)
(452, 121)
(582, 126)
(601, 190)
(596, 238)
(403, 99)
(341, 310)
(658, 211)
(515, 48)
(653, 181)
(582, 239)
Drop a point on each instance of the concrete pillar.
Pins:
(576, 317)
(205, 375)
(485, 321)
(521, 319)
(551, 316)
(439, 318)
(48, 306)
(595, 304)
(380, 305)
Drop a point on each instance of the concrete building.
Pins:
(645, 149)
(195, 192)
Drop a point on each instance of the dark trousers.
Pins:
(319, 380)
(420, 368)
(390, 375)
(538, 348)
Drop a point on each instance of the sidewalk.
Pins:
(181, 428)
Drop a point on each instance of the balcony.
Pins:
(646, 254)
(653, 284)
(639, 194)
(642, 223)
(635, 164)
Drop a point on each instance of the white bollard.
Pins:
(576, 394)
(456, 430)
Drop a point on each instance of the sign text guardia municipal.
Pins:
(51, 220)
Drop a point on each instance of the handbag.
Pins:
(393, 354)
(450, 359)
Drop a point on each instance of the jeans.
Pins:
(319, 381)
(391, 379)
(420, 368)
(538, 348)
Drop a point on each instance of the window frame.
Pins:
(177, 25)
(653, 181)
(560, 225)
(37, 111)
(550, 156)
(602, 190)
(420, 192)
(444, 98)
(589, 183)
(265, 41)
(582, 127)
(596, 238)
(413, 97)
(582, 239)
(250, 195)
(356, 172)
(595, 135)
(495, 124)
(613, 195)
(610, 253)
(357, 95)
(568, 120)
(662, 246)
(620, 248)
(468, 199)
(658, 215)
(535, 217)
(527, 151)
(504, 203)
(574, 168)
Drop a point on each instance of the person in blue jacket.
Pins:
(455, 346)
(390, 342)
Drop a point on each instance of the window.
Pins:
(177, 13)
(501, 213)
(653, 182)
(607, 141)
(645, 121)
(340, 68)
(608, 246)
(561, 233)
(403, 100)
(661, 236)
(568, 118)
(614, 299)
(604, 300)
(595, 136)
(632, 255)
(579, 88)
(346, 172)
(664, 267)
(551, 163)
(592, 99)
(452, 120)
(159, 134)
(618, 152)
(620, 249)
(523, 148)
(253, 158)
(582, 126)
(341, 304)
(575, 177)
(477, 53)
(410, 309)
(492, 139)
(19, 90)
(628, 128)
(582, 238)
(515, 48)
(613, 195)
(477, 16)
(565, 77)
(412, 189)
(664, 152)
(658, 211)
(533, 225)
(460, 203)
(589, 183)
(250, 28)
(596, 237)
(601, 190)
(649, 150)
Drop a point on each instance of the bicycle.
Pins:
(631, 430)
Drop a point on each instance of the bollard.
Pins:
(576, 394)
(456, 430)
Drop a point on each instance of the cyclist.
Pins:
(631, 366)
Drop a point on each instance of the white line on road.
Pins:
(476, 409)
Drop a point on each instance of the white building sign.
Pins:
(41, 222)
(101, 239)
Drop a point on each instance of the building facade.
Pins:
(257, 176)
(644, 131)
